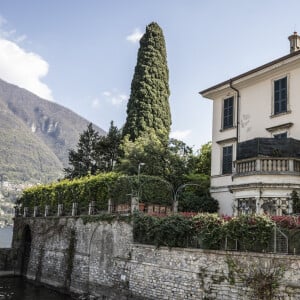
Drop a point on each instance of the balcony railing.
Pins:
(275, 165)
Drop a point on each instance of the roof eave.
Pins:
(223, 84)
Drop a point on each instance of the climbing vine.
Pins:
(262, 278)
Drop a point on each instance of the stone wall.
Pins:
(7, 262)
(100, 258)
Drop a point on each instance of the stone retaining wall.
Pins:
(7, 262)
(101, 259)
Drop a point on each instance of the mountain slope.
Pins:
(35, 135)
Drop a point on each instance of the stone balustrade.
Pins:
(277, 165)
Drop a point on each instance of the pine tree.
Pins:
(109, 148)
(148, 105)
(84, 160)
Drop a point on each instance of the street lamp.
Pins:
(175, 207)
(139, 170)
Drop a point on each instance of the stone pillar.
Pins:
(134, 204)
(46, 211)
(25, 213)
(74, 209)
(109, 209)
(35, 211)
(59, 210)
(175, 206)
(291, 165)
(92, 208)
(258, 165)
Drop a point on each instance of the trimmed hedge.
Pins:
(99, 188)
(206, 231)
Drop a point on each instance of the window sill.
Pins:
(281, 114)
(225, 129)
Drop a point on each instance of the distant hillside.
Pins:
(35, 135)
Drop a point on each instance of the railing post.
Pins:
(91, 207)
(258, 165)
(134, 204)
(59, 209)
(35, 211)
(291, 165)
(109, 209)
(46, 211)
(25, 213)
(74, 209)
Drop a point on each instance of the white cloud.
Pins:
(115, 98)
(180, 134)
(20, 67)
(107, 94)
(95, 103)
(135, 36)
(25, 69)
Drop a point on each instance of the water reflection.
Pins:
(15, 288)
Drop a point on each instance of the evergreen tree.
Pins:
(109, 148)
(84, 160)
(148, 105)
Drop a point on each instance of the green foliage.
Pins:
(207, 231)
(84, 161)
(94, 153)
(151, 190)
(253, 232)
(195, 196)
(147, 149)
(148, 105)
(203, 161)
(81, 191)
(296, 202)
(262, 277)
(171, 231)
(108, 147)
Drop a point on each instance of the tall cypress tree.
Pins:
(148, 105)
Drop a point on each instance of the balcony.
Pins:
(268, 156)
(267, 165)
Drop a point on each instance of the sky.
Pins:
(82, 53)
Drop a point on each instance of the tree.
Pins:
(296, 202)
(84, 160)
(108, 149)
(146, 149)
(148, 105)
(203, 163)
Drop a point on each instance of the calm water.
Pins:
(15, 288)
(6, 237)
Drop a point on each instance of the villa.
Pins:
(256, 137)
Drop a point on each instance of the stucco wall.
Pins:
(99, 258)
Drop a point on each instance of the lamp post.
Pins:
(139, 172)
(181, 187)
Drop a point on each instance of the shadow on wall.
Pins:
(25, 249)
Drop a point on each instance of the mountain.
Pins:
(35, 136)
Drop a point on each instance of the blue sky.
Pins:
(82, 54)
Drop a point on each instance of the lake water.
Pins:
(6, 237)
(15, 288)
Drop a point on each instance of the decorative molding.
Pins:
(279, 127)
(229, 140)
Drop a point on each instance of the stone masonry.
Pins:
(100, 258)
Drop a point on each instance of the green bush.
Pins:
(253, 232)
(82, 191)
(207, 231)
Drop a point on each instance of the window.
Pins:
(227, 160)
(280, 136)
(228, 113)
(280, 96)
